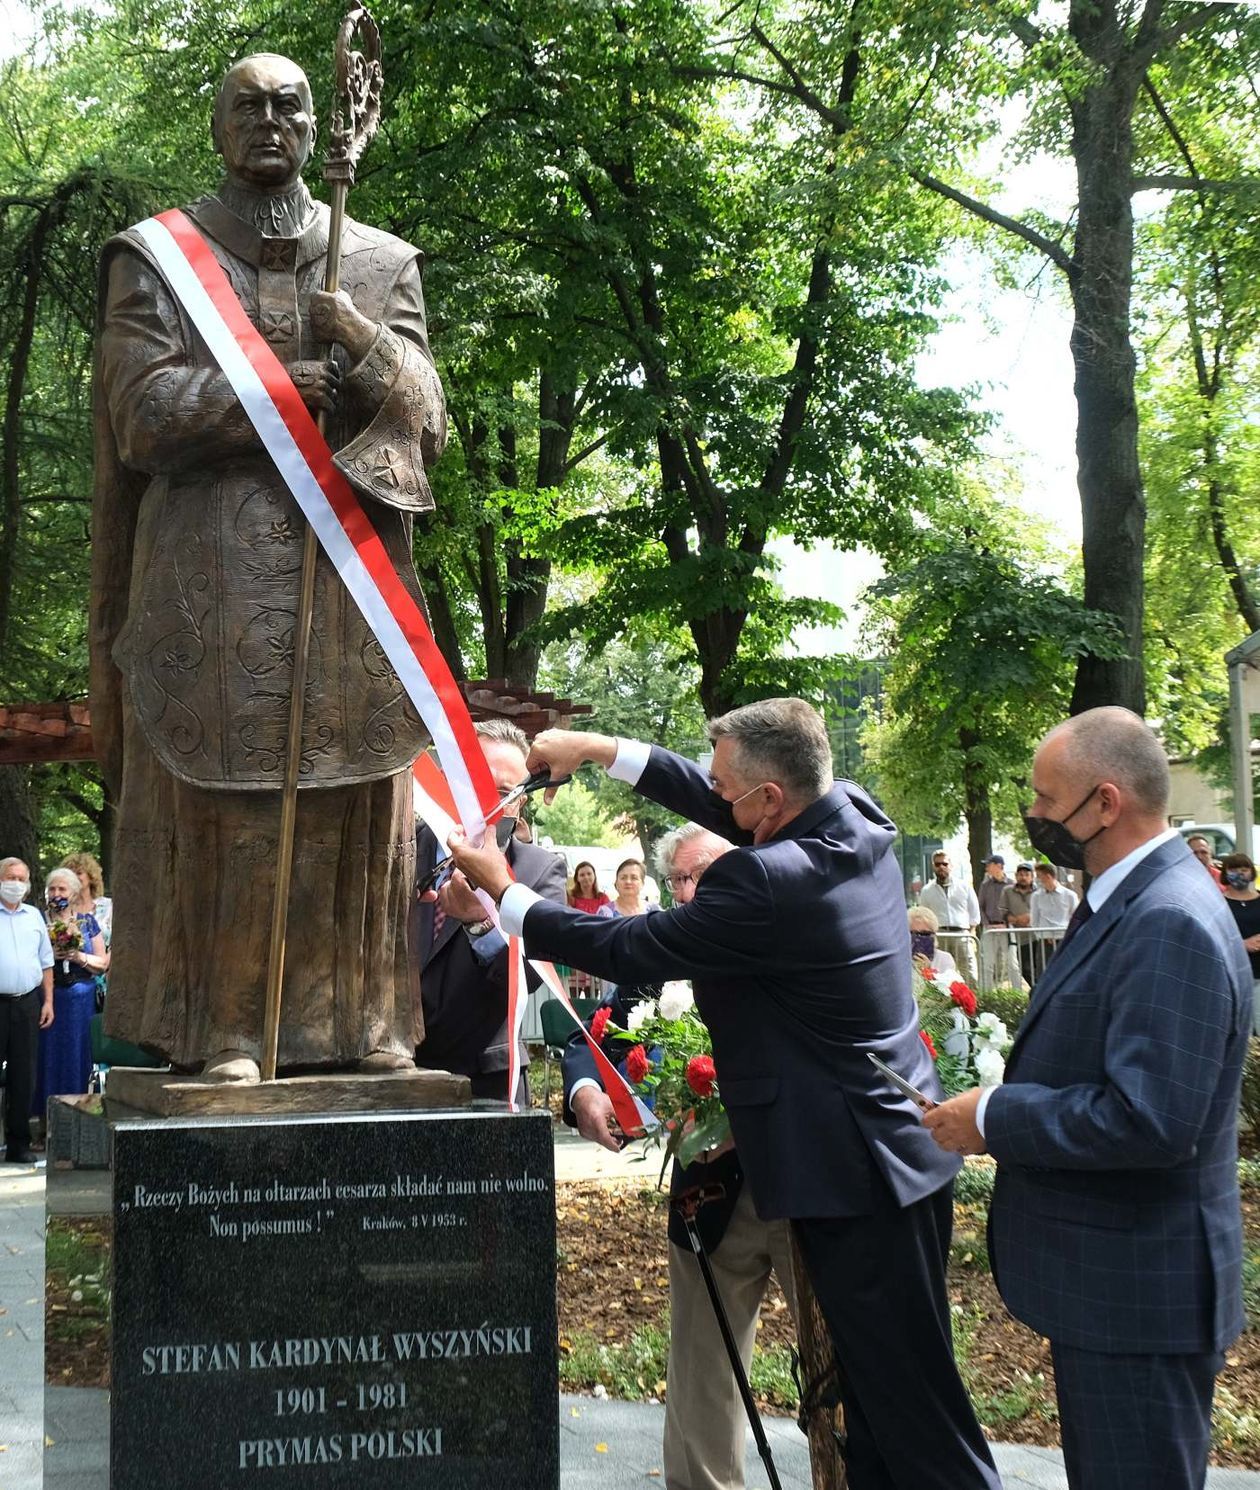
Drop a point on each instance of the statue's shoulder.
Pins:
(386, 254)
(133, 241)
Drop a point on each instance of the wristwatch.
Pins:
(478, 928)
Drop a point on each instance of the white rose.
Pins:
(990, 1067)
(676, 999)
(640, 1015)
(991, 1032)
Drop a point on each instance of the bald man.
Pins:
(1115, 1226)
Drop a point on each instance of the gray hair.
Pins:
(928, 917)
(8, 863)
(782, 740)
(1114, 744)
(504, 731)
(62, 873)
(668, 846)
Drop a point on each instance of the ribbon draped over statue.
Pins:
(305, 462)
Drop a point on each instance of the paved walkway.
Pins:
(603, 1445)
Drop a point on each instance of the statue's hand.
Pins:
(335, 318)
(319, 383)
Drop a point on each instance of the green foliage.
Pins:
(773, 1376)
(973, 1184)
(981, 643)
(1249, 1096)
(576, 817)
(1251, 1289)
(1235, 1424)
(640, 685)
(629, 1371)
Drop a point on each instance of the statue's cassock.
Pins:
(196, 564)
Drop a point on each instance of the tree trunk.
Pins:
(1113, 511)
(977, 807)
(109, 816)
(528, 576)
(18, 833)
(437, 602)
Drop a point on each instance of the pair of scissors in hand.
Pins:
(920, 1099)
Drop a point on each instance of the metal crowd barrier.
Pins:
(1015, 956)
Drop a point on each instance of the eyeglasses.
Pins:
(676, 882)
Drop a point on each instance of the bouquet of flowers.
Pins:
(66, 938)
(969, 1048)
(670, 1061)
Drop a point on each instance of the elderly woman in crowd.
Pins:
(65, 1048)
(630, 882)
(924, 951)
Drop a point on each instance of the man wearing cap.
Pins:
(1017, 914)
(994, 961)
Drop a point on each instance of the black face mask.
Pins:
(1050, 836)
(922, 944)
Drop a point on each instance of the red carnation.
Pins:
(928, 973)
(637, 1065)
(963, 997)
(701, 1075)
(927, 1040)
(600, 1022)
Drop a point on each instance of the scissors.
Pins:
(920, 1099)
(504, 827)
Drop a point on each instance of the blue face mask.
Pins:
(1239, 879)
(58, 902)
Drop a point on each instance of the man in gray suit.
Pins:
(462, 958)
(1115, 1227)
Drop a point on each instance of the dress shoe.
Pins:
(20, 1156)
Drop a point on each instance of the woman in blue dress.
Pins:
(65, 1047)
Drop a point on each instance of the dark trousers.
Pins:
(1134, 1422)
(19, 1046)
(880, 1281)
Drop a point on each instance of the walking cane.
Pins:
(358, 82)
(688, 1204)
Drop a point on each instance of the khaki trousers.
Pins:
(704, 1416)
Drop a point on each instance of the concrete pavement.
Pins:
(604, 1445)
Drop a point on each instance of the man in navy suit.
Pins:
(1115, 1227)
(799, 956)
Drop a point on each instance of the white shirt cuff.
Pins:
(630, 761)
(981, 1105)
(579, 1084)
(517, 899)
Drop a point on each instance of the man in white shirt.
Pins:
(26, 1002)
(1050, 910)
(954, 904)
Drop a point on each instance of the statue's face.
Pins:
(264, 126)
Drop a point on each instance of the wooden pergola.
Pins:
(61, 730)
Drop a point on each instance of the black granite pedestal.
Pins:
(334, 1301)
